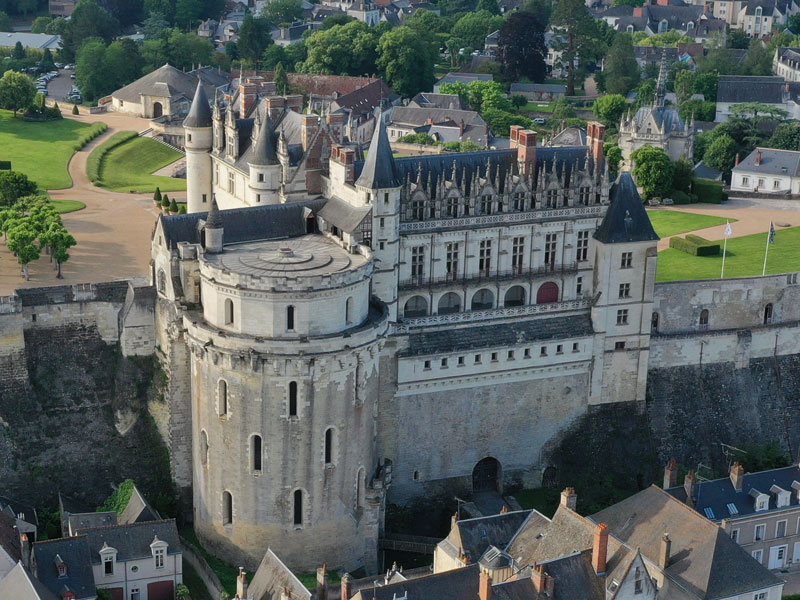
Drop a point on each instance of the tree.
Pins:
(543, 9)
(684, 86)
(157, 196)
(13, 186)
(91, 74)
(273, 55)
(343, 50)
(610, 108)
(89, 19)
(59, 240)
(57, 27)
(489, 6)
(5, 22)
(721, 153)
(153, 25)
(21, 240)
(682, 175)
(621, 70)
(706, 84)
(122, 63)
(39, 24)
(127, 12)
(577, 37)
(344, 19)
(283, 11)
(758, 60)
(562, 109)
(253, 39)
(652, 171)
(701, 111)
(737, 38)
(613, 154)
(521, 47)
(473, 27)
(398, 49)
(75, 110)
(281, 80)
(786, 136)
(17, 91)
(162, 7)
(453, 45)
(18, 52)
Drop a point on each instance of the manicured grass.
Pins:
(744, 258)
(128, 167)
(226, 573)
(538, 107)
(41, 150)
(192, 580)
(97, 155)
(672, 222)
(67, 206)
(545, 500)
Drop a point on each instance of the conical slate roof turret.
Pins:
(264, 151)
(379, 171)
(200, 113)
(214, 218)
(626, 219)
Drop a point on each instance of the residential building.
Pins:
(649, 57)
(686, 19)
(466, 78)
(20, 584)
(431, 100)
(361, 108)
(10, 545)
(760, 511)
(786, 63)
(286, 36)
(62, 8)
(539, 92)
(64, 567)
(768, 171)
(24, 515)
(442, 124)
(365, 11)
(772, 91)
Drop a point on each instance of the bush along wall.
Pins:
(708, 190)
(96, 130)
(694, 245)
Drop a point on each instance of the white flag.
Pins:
(728, 230)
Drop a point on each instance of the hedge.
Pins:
(96, 130)
(709, 191)
(694, 245)
(94, 165)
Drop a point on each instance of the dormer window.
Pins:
(61, 566)
(159, 549)
(760, 501)
(108, 556)
(782, 496)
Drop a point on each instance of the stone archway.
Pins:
(158, 109)
(487, 476)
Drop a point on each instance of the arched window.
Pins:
(227, 508)
(204, 448)
(162, 281)
(629, 28)
(348, 311)
(298, 507)
(515, 296)
(222, 397)
(416, 306)
(768, 314)
(292, 398)
(228, 311)
(329, 446)
(663, 26)
(256, 452)
(290, 318)
(548, 293)
(654, 323)
(449, 303)
(483, 299)
(704, 319)
(361, 485)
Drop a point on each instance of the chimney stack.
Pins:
(596, 138)
(248, 94)
(539, 578)
(758, 157)
(526, 151)
(485, 586)
(671, 474)
(26, 550)
(346, 582)
(322, 582)
(569, 498)
(737, 160)
(737, 476)
(241, 584)
(309, 124)
(688, 487)
(666, 547)
(600, 548)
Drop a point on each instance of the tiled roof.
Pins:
(575, 577)
(378, 171)
(416, 117)
(133, 541)
(464, 78)
(74, 551)
(166, 81)
(538, 541)
(9, 537)
(13, 507)
(742, 88)
(366, 98)
(79, 521)
(539, 87)
(432, 100)
(476, 535)
(200, 112)
(626, 219)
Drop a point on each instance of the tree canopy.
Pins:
(621, 70)
(652, 171)
(521, 47)
(398, 49)
(610, 108)
(577, 37)
(17, 92)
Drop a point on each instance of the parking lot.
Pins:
(59, 87)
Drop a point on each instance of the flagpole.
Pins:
(766, 251)
(724, 249)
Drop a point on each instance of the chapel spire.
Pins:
(661, 85)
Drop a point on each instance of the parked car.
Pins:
(540, 121)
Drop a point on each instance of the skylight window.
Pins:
(709, 513)
(732, 509)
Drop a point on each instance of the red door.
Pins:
(117, 593)
(160, 590)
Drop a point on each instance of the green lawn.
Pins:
(744, 258)
(538, 107)
(192, 580)
(41, 150)
(128, 167)
(227, 574)
(67, 206)
(673, 222)
(545, 500)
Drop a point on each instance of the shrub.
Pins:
(165, 202)
(96, 130)
(173, 206)
(679, 197)
(694, 245)
(157, 195)
(182, 209)
(708, 190)
(75, 110)
(119, 498)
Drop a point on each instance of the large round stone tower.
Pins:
(197, 143)
(284, 376)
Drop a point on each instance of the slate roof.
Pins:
(718, 494)
(378, 171)
(200, 112)
(133, 541)
(78, 521)
(539, 87)
(457, 584)
(538, 540)
(463, 78)
(703, 171)
(431, 100)
(789, 56)
(138, 510)
(704, 559)
(743, 88)
(666, 117)
(575, 577)
(367, 98)
(244, 224)
(490, 336)
(343, 215)
(653, 54)
(74, 551)
(30, 40)
(13, 507)
(626, 219)
(773, 162)
(271, 577)
(417, 117)
(166, 81)
(477, 535)
(9, 537)
(569, 136)
(265, 149)
(517, 589)
(19, 584)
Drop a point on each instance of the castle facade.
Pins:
(343, 331)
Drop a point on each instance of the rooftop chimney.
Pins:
(322, 582)
(485, 586)
(539, 578)
(241, 584)
(671, 474)
(737, 476)
(526, 150)
(758, 157)
(569, 498)
(737, 160)
(666, 547)
(346, 583)
(26, 550)
(688, 487)
(600, 548)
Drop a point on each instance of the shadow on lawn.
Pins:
(65, 130)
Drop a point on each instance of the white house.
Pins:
(769, 171)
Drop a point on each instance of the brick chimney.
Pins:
(638, 11)
(461, 127)
(688, 487)
(248, 94)
(347, 581)
(671, 474)
(737, 160)
(541, 580)
(758, 157)
(663, 555)
(485, 586)
(322, 582)
(737, 476)
(600, 548)
(241, 584)
(596, 138)
(275, 105)
(526, 151)
(514, 134)
(295, 103)
(309, 124)
(25, 550)
(569, 498)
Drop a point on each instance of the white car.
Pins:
(540, 121)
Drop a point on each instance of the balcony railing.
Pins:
(450, 279)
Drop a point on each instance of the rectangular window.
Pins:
(624, 290)
(760, 595)
(527, 353)
(619, 345)
(417, 261)
(626, 260)
(427, 366)
(510, 355)
(477, 359)
(135, 594)
(760, 182)
(517, 253)
(383, 221)
(381, 245)
(494, 356)
(578, 286)
(550, 243)
(552, 198)
(758, 555)
(745, 180)
(231, 183)
(108, 565)
(386, 198)
(460, 361)
(759, 532)
(158, 554)
(559, 349)
(622, 317)
(575, 347)
(485, 256)
(261, 177)
(583, 246)
(204, 199)
(543, 351)
(776, 184)
(451, 260)
(584, 195)
(486, 205)
(735, 535)
(780, 529)
(216, 174)
(444, 363)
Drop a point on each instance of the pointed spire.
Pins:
(200, 113)
(264, 152)
(661, 85)
(626, 219)
(214, 218)
(379, 170)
